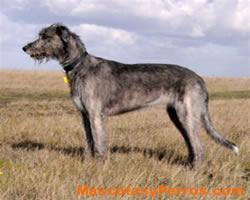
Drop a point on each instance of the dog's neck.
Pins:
(69, 65)
(75, 54)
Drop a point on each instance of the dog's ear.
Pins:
(63, 32)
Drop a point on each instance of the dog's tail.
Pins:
(216, 136)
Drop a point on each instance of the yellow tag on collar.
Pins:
(65, 79)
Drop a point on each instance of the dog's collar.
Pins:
(68, 67)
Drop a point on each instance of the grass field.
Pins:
(42, 147)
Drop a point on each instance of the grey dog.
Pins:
(101, 88)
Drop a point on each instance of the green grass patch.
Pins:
(244, 94)
(8, 95)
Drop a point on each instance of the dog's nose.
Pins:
(25, 48)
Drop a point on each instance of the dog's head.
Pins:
(52, 43)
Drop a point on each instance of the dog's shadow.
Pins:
(157, 154)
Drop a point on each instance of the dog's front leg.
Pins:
(88, 134)
(99, 135)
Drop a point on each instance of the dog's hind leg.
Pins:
(181, 116)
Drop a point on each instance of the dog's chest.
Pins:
(78, 103)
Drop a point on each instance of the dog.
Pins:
(100, 88)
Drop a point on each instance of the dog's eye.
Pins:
(44, 37)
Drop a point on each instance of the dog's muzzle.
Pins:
(34, 54)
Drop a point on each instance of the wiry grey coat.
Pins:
(101, 88)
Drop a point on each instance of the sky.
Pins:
(211, 37)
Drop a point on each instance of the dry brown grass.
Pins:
(41, 154)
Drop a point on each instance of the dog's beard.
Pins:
(40, 57)
(41, 60)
